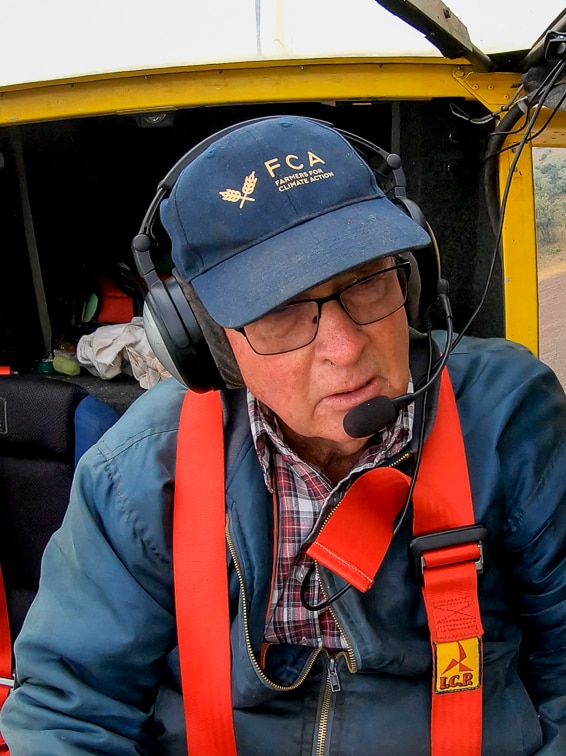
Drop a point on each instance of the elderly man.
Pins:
(295, 266)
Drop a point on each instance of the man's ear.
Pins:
(413, 293)
(215, 338)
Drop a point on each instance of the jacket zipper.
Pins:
(260, 673)
(331, 687)
(332, 684)
(403, 458)
(350, 655)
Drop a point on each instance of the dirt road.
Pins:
(552, 322)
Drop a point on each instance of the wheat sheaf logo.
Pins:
(235, 195)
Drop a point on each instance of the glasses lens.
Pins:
(287, 328)
(376, 297)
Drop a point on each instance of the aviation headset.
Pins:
(171, 326)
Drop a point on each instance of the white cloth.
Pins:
(121, 348)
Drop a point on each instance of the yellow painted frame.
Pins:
(168, 89)
(355, 79)
(520, 250)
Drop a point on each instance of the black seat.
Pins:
(45, 425)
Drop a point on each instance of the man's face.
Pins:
(312, 388)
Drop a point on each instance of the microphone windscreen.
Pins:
(369, 417)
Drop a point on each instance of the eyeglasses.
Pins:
(295, 325)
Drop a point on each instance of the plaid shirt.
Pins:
(305, 496)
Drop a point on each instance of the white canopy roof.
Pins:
(46, 40)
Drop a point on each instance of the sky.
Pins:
(51, 39)
(499, 25)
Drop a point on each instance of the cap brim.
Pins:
(263, 277)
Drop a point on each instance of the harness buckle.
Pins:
(469, 534)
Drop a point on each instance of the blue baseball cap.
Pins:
(276, 207)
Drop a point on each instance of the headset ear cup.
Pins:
(176, 338)
(428, 259)
(158, 341)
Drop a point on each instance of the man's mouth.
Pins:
(353, 395)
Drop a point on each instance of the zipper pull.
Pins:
(333, 678)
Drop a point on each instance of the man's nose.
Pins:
(339, 339)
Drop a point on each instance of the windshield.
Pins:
(62, 38)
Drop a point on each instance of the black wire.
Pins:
(507, 128)
(323, 604)
(490, 166)
(550, 77)
(520, 128)
(556, 72)
(525, 112)
(551, 116)
(421, 441)
(460, 112)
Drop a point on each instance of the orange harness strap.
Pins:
(201, 578)
(450, 587)
(5, 655)
(446, 553)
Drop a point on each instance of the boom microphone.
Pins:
(377, 413)
(371, 416)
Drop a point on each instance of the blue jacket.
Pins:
(97, 663)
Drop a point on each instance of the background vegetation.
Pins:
(550, 193)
